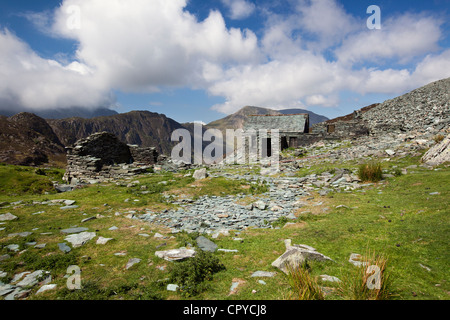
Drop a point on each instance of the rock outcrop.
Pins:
(438, 154)
(295, 255)
(26, 139)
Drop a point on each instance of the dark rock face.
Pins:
(143, 128)
(26, 139)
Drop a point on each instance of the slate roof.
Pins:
(284, 123)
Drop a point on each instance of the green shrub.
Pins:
(190, 275)
(40, 172)
(370, 172)
(397, 172)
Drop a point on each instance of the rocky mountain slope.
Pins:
(237, 119)
(26, 139)
(29, 139)
(144, 128)
(425, 107)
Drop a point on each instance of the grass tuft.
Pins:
(303, 285)
(370, 281)
(371, 172)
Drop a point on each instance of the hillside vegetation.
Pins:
(404, 218)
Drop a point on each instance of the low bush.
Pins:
(190, 275)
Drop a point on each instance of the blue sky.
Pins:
(200, 60)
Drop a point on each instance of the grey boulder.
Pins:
(7, 217)
(206, 244)
(200, 174)
(296, 255)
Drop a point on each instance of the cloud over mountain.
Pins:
(304, 57)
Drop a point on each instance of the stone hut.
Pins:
(103, 156)
(292, 127)
(350, 126)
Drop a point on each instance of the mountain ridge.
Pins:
(62, 113)
(237, 119)
(26, 138)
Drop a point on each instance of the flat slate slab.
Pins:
(8, 217)
(74, 230)
(77, 240)
(64, 247)
(46, 287)
(5, 289)
(206, 244)
(20, 234)
(102, 240)
(132, 262)
(261, 274)
(31, 279)
(68, 207)
(175, 254)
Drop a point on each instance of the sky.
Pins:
(197, 60)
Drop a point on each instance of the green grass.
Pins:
(16, 180)
(397, 218)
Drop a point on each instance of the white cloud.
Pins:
(36, 83)
(147, 45)
(143, 45)
(326, 20)
(278, 84)
(403, 38)
(239, 9)
(321, 100)
(298, 73)
(432, 68)
(133, 46)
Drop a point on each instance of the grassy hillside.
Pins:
(405, 219)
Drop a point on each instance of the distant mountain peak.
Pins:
(237, 119)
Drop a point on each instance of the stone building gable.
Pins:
(298, 123)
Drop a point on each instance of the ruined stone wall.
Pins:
(148, 156)
(102, 156)
(340, 129)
